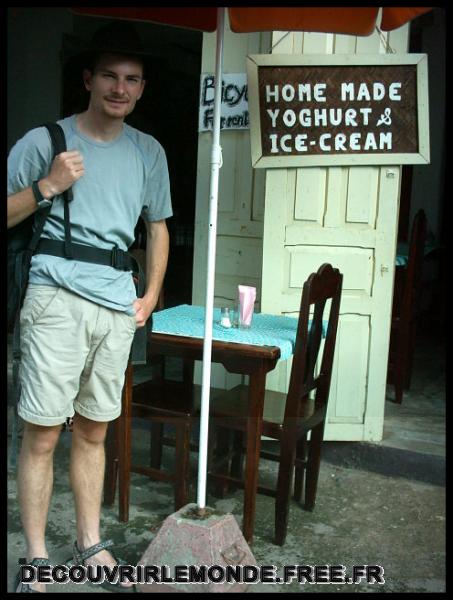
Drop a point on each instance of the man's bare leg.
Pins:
(87, 480)
(34, 486)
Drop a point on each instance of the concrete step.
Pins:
(395, 462)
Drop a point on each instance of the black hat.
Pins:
(118, 37)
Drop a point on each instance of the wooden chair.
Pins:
(288, 417)
(405, 310)
(161, 402)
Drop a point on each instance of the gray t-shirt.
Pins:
(123, 179)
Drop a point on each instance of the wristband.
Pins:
(40, 200)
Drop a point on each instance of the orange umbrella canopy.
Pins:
(349, 20)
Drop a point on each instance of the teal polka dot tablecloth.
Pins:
(266, 330)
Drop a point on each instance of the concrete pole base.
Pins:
(203, 538)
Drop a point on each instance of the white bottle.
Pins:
(225, 320)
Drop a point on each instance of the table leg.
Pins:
(124, 450)
(254, 427)
(111, 462)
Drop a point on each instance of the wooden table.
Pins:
(178, 332)
(255, 361)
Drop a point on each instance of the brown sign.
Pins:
(337, 110)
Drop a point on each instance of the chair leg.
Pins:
(123, 472)
(220, 466)
(410, 358)
(313, 465)
(398, 392)
(111, 463)
(237, 461)
(400, 371)
(182, 463)
(124, 447)
(155, 457)
(284, 483)
(300, 467)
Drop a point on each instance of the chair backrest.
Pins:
(319, 288)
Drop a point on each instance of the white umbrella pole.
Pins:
(216, 159)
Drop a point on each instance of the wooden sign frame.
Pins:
(291, 152)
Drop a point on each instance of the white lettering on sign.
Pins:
(378, 92)
(327, 142)
(303, 92)
(288, 93)
(273, 115)
(393, 95)
(320, 117)
(289, 118)
(299, 142)
(297, 108)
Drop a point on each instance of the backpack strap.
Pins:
(59, 145)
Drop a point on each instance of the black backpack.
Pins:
(22, 241)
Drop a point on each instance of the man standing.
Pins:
(79, 318)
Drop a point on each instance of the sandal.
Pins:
(80, 556)
(24, 588)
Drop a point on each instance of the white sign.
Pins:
(234, 112)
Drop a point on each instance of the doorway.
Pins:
(423, 187)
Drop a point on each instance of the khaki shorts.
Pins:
(74, 357)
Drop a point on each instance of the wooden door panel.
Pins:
(348, 394)
(310, 195)
(356, 264)
(362, 196)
